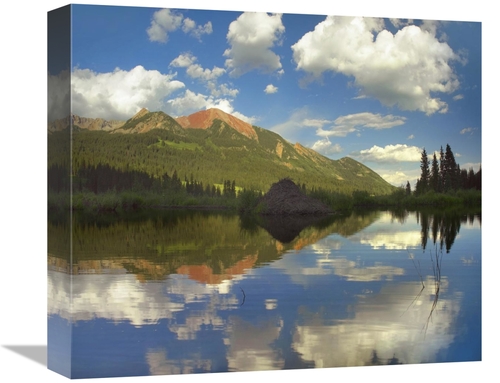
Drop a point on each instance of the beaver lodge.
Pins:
(286, 198)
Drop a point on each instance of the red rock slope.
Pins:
(204, 119)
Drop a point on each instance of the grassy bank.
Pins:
(131, 200)
(399, 199)
(247, 201)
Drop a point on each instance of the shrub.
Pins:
(131, 200)
(362, 198)
(247, 200)
(107, 201)
(470, 197)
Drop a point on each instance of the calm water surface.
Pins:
(189, 292)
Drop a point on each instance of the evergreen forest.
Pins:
(220, 167)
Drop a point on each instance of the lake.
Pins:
(177, 292)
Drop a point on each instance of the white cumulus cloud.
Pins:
(120, 94)
(251, 37)
(195, 70)
(390, 153)
(400, 22)
(399, 178)
(217, 90)
(191, 102)
(186, 104)
(325, 147)
(189, 26)
(315, 123)
(350, 123)
(271, 89)
(467, 130)
(208, 76)
(406, 69)
(166, 21)
(370, 120)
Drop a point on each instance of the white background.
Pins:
(23, 61)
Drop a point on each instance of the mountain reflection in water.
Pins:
(189, 292)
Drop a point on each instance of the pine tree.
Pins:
(418, 187)
(477, 180)
(441, 170)
(425, 174)
(450, 170)
(464, 179)
(458, 178)
(435, 181)
(471, 179)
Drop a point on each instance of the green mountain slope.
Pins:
(145, 121)
(154, 143)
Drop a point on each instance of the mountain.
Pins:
(84, 123)
(211, 147)
(144, 121)
(205, 118)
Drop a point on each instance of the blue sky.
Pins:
(377, 90)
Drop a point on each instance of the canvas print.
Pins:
(248, 191)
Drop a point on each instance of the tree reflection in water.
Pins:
(377, 361)
(444, 228)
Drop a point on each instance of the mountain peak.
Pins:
(140, 113)
(205, 118)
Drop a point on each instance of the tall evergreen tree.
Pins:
(471, 179)
(425, 173)
(441, 169)
(434, 181)
(450, 170)
(418, 187)
(458, 178)
(477, 180)
(464, 179)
